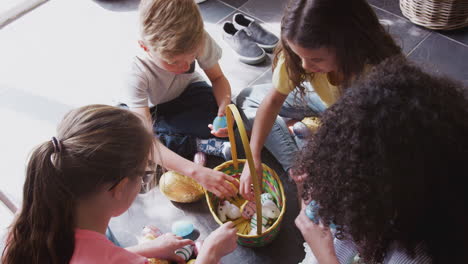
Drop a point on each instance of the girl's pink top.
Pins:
(94, 247)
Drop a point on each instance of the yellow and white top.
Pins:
(328, 92)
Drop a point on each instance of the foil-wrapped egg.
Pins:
(180, 188)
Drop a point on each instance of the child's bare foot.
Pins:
(301, 130)
(298, 179)
(200, 158)
(290, 124)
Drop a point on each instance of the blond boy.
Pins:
(163, 84)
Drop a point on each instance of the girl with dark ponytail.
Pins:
(325, 46)
(91, 171)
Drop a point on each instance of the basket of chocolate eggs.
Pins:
(270, 201)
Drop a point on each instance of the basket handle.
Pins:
(232, 114)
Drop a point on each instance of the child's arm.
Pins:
(214, 181)
(221, 91)
(264, 119)
(163, 247)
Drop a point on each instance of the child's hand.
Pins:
(297, 176)
(318, 237)
(219, 243)
(164, 246)
(246, 187)
(216, 182)
(221, 133)
(222, 110)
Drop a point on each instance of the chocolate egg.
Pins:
(157, 261)
(219, 122)
(185, 252)
(179, 188)
(182, 228)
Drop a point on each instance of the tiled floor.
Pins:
(65, 54)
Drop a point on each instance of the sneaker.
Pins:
(215, 147)
(199, 1)
(255, 31)
(227, 151)
(247, 50)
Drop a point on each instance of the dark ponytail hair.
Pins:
(349, 28)
(98, 146)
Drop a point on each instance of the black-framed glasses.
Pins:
(146, 178)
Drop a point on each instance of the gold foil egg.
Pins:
(313, 123)
(179, 188)
(157, 261)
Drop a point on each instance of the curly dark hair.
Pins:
(389, 163)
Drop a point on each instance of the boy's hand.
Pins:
(221, 133)
(318, 237)
(222, 109)
(164, 247)
(246, 186)
(216, 182)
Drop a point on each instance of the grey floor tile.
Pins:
(120, 6)
(241, 75)
(264, 78)
(403, 32)
(392, 6)
(235, 3)
(213, 10)
(440, 55)
(269, 11)
(460, 35)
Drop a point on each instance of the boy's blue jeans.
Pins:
(179, 122)
(280, 142)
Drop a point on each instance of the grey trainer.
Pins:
(247, 50)
(255, 31)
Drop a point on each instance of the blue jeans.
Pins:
(280, 142)
(178, 123)
(111, 237)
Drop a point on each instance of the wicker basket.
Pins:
(271, 184)
(436, 14)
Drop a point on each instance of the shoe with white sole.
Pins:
(247, 50)
(255, 31)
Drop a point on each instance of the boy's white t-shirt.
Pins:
(149, 85)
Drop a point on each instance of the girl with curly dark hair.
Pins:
(388, 167)
(325, 45)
